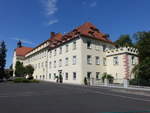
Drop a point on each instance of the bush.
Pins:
(24, 80)
(140, 82)
(108, 76)
(35, 81)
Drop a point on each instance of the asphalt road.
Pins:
(60, 98)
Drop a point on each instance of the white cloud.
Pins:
(50, 10)
(50, 6)
(53, 21)
(89, 4)
(93, 4)
(23, 40)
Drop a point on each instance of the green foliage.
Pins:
(3, 51)
(124, 40)
(19, 69)
(107, 76)
(29, 71)
(24, 80)
(142, 70)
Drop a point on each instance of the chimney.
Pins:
(52, 34)
(19, 44)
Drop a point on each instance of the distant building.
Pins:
(83, 52)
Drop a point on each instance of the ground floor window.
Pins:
(97, 75)
(74, 76)
(66, 74)
(89, 75)
(50, 76)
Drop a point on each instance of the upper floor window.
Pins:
(60, 50)
(50, 65)
(66, 61)
(74, 60)
(104, 47)
(67, 46)
(74, 45)
(50, 54)
(39, 65)
(115, 60)
(74, 76)
(54, 64)
(45, 63)
(55, 52)
(60, 62)
(97, 60)
(104, 61)
(89, 45)
(133, 60)
(89, 59)
(42, 64)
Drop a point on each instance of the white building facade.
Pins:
(83, 52)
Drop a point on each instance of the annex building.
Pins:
(83, 52)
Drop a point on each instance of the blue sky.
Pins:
(32, 20)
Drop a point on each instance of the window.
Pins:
(46, 64)
(104, 47)
(74, 60)
(74, 45)
(97, 60)
(96, 47)
(115, 60)
(89, 45)
(50, 54)
(66, 61)
(104, 61)
(116, 75)
(89, 75)
(133, 60)
(67, 46)
(39, 65)
(74, 75)
(60, 50)
(55, 52)
(66, 74)
(50, 76)
(54, 64)
(97, 75)
(60, 62)
(89, 59)
(54, 76)
(42, 64)
(50, 65)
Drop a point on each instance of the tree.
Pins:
(142, 70)
(29, 69)
(124, 40)
(3, 51)
(19, 69)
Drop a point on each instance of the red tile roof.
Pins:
(87, 30)
(22, 51)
